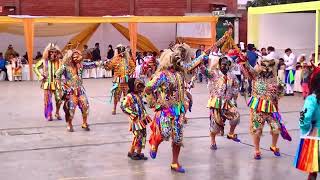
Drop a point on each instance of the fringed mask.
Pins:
(139, 85)
(76, 56)
(121, 50)
(224, 65)
(53, 52)
(267, 68)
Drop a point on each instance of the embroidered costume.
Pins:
(132, 105)
(74, 93)
(49, 64)
(223, 91)
(16, 68)
(124, 67)
(266, 91)
(166, 94)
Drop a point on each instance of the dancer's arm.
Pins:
(196, 62)
(306, 114)
(126, 106)
(37, 68)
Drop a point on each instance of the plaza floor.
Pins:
(34, 149)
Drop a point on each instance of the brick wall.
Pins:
(243, 26)
(163, 7)
(204, 5)
(47, 7)
(104, 7)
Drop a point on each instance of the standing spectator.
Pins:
(110, 53)
(10, 51)
(3, 66)
(198, 53)
(24, 59)
(290, 61)
(264, 52)
(305, 79)
(272, 53)
(86, 54)
(16, 67)
(252, 59)
(96, 53)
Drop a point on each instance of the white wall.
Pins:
(288, 30)
(197, 30)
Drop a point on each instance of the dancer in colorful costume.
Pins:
(165, 93)
(49, 64)
(124, 67)
(224, 89)
(132, 105)
(16, 67)
(73, 91)
(307, 156)
(266, 91)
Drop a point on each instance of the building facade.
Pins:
(227, 9)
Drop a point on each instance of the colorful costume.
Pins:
(223, 90)
(16, 68)
(266, 91)
(307, 157)
(73, 91)
(124, 67)
(49, 64)
(165, 93)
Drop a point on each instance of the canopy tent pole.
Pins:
(316, 48)
(133, 38)
(213, 32)
(28, 26)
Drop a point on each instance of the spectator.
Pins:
(290, 61)
(38, 56)
(252, 55)
(110, 53)
(96, 53)
(86, 54)
(3, 66)
(24, 59)
(272, 53)
(10, 51)
(200, 51)
(264, 52)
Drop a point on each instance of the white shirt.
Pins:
(290, 61)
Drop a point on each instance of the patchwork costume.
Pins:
(49, 84)
(132, 105)
(74, 93)
(166, 95)
(266, 91)
(223, 91)
(124, 67)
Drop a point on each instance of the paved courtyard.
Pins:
(33, 149)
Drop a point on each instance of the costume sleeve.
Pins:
(306, 114)
(37, 68)
(109, 65)
(247, 70)
(126, 106)
(157, 81)
(60, 72)
(196, 62)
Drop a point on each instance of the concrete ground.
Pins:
(32, 148)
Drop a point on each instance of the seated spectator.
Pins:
(24, 59)
(10, 51)
(38, 56)
(3, 66)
